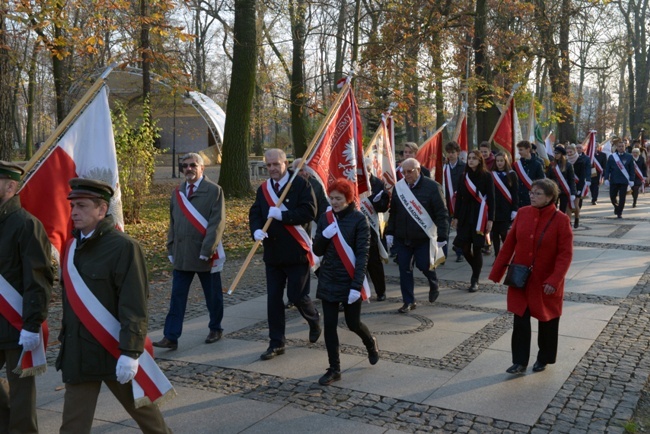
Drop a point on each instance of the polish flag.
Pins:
(86, 149)
(430, 154)
(504, 132)
(381, 154)
(460, 133)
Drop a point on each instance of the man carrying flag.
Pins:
(287, 248)
(25, 285)
(104, 327)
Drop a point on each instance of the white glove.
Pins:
(203, 257)
(441, 244)
(28, 340)
(513, 214)
(171, 259)
(573, 198)
(126, 369)
(354, 296)
(607, 183)
(330, 231)
(631, 183)
(259, 235)
(377, 198)
(389, 241)
(587, 184)
(275, 213)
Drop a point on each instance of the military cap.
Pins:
(560, 149)
(90, 188)
(10, 171)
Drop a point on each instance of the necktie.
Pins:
(276, 187)
(411, 185)
(191, 191)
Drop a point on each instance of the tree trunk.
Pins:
(297, 10)
(340, 43)
(31, 104)
(481, 72)
(234, 168)
(144, 50)
(6, 127)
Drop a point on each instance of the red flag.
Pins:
(504, 132)
(460, 133)
(430, 154)
(87, 150)
(589, 146)
(339, 151)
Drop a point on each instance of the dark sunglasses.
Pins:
(192, 165)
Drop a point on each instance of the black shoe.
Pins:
(433, 294)
(330, 376)
(289, 305)
(407, 307)
(271, 353)
(473, 287)
(314, 332)
(459, 259)
(213, 336)
(634, 205)
(594, 202)
(486, 250)
(341, 307)
(619, 216)
(576, 223)
(539, 367)
(373, 353)
(166, 343)
(381, 297)
(516, 369)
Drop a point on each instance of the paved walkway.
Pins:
(442, 368)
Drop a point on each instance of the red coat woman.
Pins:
(542, 297)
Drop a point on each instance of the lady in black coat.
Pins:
(335, 284)
(506, 199)
(474, 213)
(566, 183)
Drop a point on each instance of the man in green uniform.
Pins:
(25, 269)
(112, 266)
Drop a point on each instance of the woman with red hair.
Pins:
(342, 225)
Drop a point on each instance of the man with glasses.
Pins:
(197, 220)
(418, 224)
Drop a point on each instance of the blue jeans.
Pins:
(408, 254)
(211, 283)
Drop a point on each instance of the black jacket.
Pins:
(321, 198)
(640, 162)
(567, 174)
(401, 225)
(601, 157)
(334, 281)
(535, 170)
(457, 173)
(502, 208)
(582, 169)
(280, 248)
(467, 208)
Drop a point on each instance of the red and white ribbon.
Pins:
(297, 232)
(598, 167)
(481, 223)
(521, 173)
(373, 219)
(621, 167)
(449, 186)
(502, 187)
(33, 362)
(149, 384)
(200, 224)
(639, 175)
(347, 255)
(564, 185)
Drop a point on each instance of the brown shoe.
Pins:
(213, 336)
(166, 343)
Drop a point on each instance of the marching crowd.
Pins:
(522, 209)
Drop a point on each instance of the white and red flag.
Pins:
(338, 152)
(86, 149)
(589, 146)
(381, 152)
(460, 133)
(504, 132)
(430, 154)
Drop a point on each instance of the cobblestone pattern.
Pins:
(620, 231)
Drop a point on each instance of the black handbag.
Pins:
(518, 274)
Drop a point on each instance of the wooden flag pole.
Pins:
(311, 146)
(496, 127)
(52, 140)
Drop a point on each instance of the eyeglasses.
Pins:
(410, 170)
(192, 165)
(536, 193)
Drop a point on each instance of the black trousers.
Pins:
(547, 338)
(618, 191)
(296, 279)
(474, 256)
(352, 314)
(635, 194)
(376, 269)
(594, 188)
(498, 233)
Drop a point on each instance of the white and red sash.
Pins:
(149, 384)
(347, 255)
(417, 212)
(481, 223)
(585, 189)
(639, 175)
(297, 232)
(201, 224)
(449, 187)
(621, 167)
(33, 362)
(564, 185)
(521, 173)
(502, 187)
(598, 167)
(373, 219)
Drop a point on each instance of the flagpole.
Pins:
(52, 140)
(315, 139)
(503, 113)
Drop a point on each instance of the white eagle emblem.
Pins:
(350, 166)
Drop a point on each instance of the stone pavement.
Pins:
(442, 367)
